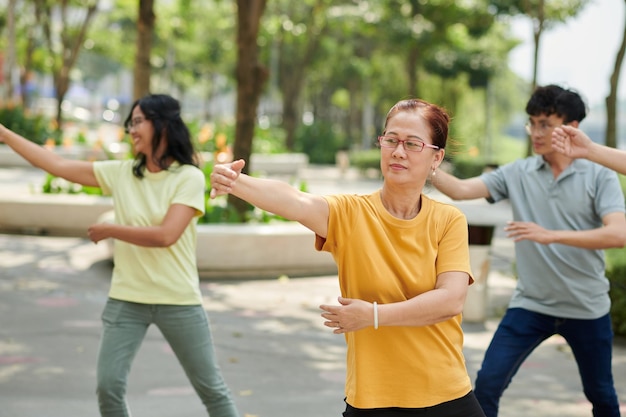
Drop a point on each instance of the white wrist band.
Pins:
(375, 316)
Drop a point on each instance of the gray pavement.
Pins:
(277, 357)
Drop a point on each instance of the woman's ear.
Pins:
(439, 158)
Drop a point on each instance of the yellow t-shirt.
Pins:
(153, 275)
(385, 259)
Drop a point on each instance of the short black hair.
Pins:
(553, 99)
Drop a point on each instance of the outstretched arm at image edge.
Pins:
(460, 189)
(578, 145)
(275, 196)
(80, 172)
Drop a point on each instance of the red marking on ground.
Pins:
(532, 365)
(56, 302)
(82, 323)
(11, 360)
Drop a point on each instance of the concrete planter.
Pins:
(224, 250)
(260, 251)
(476, 302)
(51, 214)
(255, 251)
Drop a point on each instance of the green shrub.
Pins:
(57, 185)
(33, 127)
(214, 137)
(319, 141)
(364, 160)
(468, 168)
(616, 272)
(218, 210)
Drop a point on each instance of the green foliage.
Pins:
(268, 140)
(218, 210)
(468, 167)
(468, 162)
(56, 185)
(219, 213)
(219, 136)
(616, 272)
(549, 12)
(364, 160)
(320, 141)
(33, 127)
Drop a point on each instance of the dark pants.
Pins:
(466, 406)
(521, 331)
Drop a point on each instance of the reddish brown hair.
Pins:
(436, 117)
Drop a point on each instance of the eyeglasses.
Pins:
(133, 123)
(408, 145)
(542, 128)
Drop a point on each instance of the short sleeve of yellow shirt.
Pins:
(153, 275)
(385, 259)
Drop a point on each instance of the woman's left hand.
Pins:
(98, 232)
(351, 315)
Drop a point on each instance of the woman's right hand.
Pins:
(224, 176)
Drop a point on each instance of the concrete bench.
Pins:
(290, 164)
(51, 214)
(255, 251)
(260, 251)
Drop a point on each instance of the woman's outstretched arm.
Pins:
(80, 172)
(277, 197)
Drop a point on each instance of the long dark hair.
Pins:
(164, 113)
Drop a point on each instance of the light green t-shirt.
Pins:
(385, 259)
(153, 275)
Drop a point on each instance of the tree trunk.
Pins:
(27, 70)
(70, 37)
(9, 58)
(251, 77)
(538, 23)
(611, 99)
(291, 113)
(145, 32)
(293, 71)
(414, 54)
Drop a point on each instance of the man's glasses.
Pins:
(542, 128)
(408, 145)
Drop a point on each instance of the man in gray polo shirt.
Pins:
(565, 213)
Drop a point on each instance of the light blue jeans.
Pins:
(186, 329)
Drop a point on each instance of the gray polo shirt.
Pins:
(559, 280)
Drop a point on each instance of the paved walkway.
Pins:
(277, 357)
